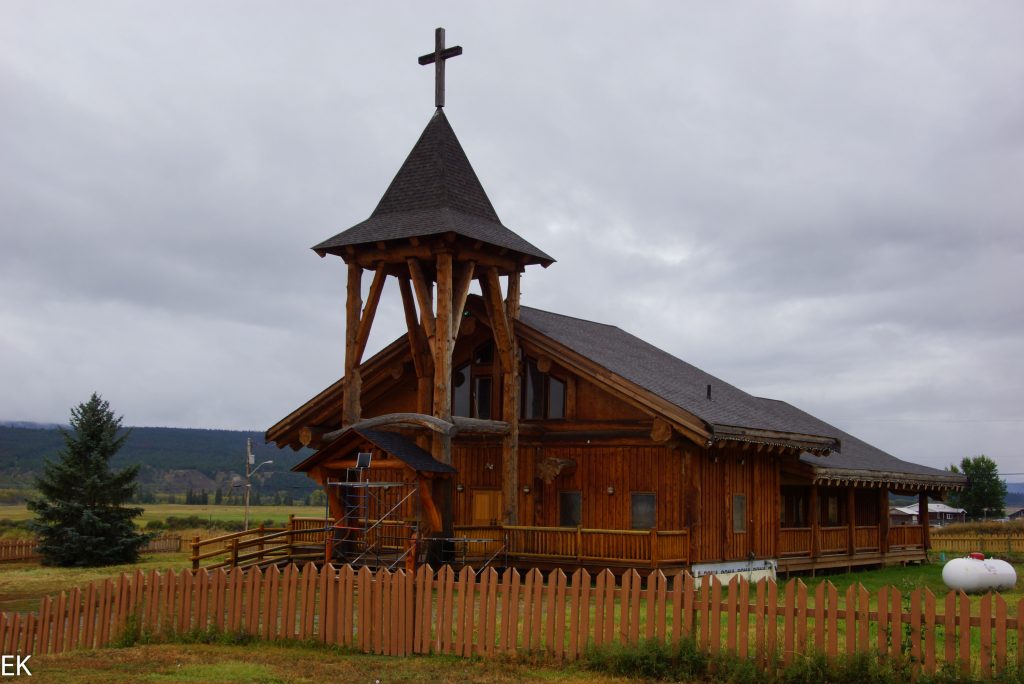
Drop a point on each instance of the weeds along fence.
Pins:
(966, 542)
(492, 613)
(25, 549)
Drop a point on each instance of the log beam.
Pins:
(369, 311)
(424, 297)
(351, 409)
(460, 295)
(661, 430)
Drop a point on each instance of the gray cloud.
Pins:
(817, 203)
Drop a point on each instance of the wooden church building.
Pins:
(492, 430)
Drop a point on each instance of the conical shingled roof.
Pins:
(436, 191)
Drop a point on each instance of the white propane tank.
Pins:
(978, 575)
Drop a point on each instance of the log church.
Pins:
(493, 432)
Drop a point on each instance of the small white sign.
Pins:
(752, 571)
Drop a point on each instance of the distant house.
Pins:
(939, 514)
(1015, 513)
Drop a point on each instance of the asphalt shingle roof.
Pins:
(666, 376)
(685, 385)
(406, 451)
(435, 191)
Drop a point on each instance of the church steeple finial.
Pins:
(438, 58)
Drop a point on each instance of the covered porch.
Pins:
(835, 523)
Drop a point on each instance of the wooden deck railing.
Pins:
(903, 536)
(582, 545)
(865, 538)
(301, 539)
(833, 539)
(794, 541)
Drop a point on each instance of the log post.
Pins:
(195, 553)
(350, 412)
(499, 310)
(883, 521)
(922, 516)
(814, 513)
(691, 475)
(510, 442)
(851, 520)
(443, 346)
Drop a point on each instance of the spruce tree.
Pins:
(81, 517)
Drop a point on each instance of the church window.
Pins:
(642, 505)
(473, 385)
(570, 505)
(739, 513)
(543, 394)
(461, 391)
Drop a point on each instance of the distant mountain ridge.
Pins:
(172, 459)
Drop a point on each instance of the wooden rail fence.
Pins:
(18, 549)
(987, 543)
(25, 549)
(490, 614)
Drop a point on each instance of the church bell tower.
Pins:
(435, 232)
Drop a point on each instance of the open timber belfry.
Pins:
(495, 433)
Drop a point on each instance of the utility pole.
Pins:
(249, 460)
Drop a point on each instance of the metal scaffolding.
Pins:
(371, 529)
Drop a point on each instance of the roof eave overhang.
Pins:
(813, 444)
(893, 480)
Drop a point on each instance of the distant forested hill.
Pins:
(172, 459)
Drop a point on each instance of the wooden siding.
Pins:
(593, 403)
(723, 473)
(628, 469)
(472, 461)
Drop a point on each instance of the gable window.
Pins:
(570, 505)
(473, 386)
(543, 394)
(642, 511)
(461, 391)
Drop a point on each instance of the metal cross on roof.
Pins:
(437, 58)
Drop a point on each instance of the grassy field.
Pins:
(210, 512)
(272, 663)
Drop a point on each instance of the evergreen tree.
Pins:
(218, 498)
(81, 519)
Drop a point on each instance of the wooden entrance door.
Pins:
(486, 506)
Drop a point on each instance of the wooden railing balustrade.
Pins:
(833, 539)
(305, 539)
(794, 541)
(865, 538)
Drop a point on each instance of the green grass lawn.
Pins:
(272, 663)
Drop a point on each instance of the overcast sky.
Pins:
(816, 202)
